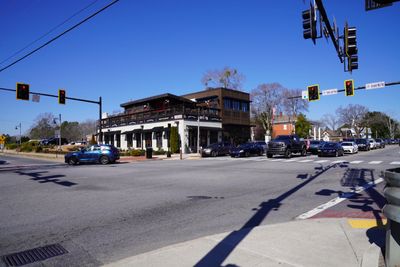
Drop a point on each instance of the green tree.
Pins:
(303, 126)
(174, 140)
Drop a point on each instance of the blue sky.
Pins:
(138, 49)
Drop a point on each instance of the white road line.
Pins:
(337, 161)
(276, 159)
(336, 200)
(395, 163)
(305, 160)
(375, 162)
(290, 160)
(321, 161)
(356, 162)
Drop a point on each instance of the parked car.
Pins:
(216, 149)
(286, 145)
(349, 147)
(363, 144)
(314, 146)
(331, 149)
(54, 141)
(247, 149)
(103, 154)
(372, 143)
(263, 144)
(380, 142)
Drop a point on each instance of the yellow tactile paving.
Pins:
(364, 223)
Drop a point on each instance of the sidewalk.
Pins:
(123, 159)
(313, 242)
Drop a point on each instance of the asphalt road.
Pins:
(101, 214)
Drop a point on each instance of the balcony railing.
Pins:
(172, 113)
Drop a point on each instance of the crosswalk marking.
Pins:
(276, 159)
(305, 160)
(290, 160)
(337, 161)
(356, 162)
(395, 163)
(375, 162)
(321, 161)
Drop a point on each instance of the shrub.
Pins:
(38, 149)
(11, 146)
(27, 147)
(73, 148)
(174, 140)
(137, 152)
(160, 151)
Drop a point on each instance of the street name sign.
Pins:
(304, 95)
(370, 86)
(330, 92)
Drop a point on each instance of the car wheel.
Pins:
(269, 155)
(214, 154)
(104, 160)
(288, 153)
(72, 161)
(304, 152)
(336, 154)
(260, 153)
(247, 154)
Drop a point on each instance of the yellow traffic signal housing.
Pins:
(349, 87)
(313, 92)
(22, 91)
(61, 96)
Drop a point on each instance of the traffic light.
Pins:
(22, 91)
(349, 87)
(309, 24)
(350, 47)
(313, 92)
(61, 96)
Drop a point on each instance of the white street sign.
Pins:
(35, 98)
(330, 92)
(304, 94)
(376, 85)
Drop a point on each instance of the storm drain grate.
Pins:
(33, 255)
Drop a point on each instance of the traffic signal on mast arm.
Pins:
(22, 91)
(349, 87)
(61, 96)
(309, 24)
(350, 47)
(313, 92)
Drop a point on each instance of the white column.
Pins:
(315, 133)
(319, 133)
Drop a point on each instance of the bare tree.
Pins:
(43, 127)
(293, 106)
(88, 127)
(331, 121)
(391, 125)
(227, 78)
(353, 115)
(267, 99)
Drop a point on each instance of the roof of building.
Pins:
(151, 98)
(215, 89)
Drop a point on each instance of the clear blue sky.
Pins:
(138, 49)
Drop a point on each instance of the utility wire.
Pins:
(50, 31)
(58, 36)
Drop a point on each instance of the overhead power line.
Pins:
(58, 36)
(50, 31)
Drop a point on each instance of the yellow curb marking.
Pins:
(364, 223)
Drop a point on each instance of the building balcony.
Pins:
(168, 114)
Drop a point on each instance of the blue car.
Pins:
(103, 154)
(246, 150)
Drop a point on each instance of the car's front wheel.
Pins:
(214, 153)
(288, 153)
(304, 152)
(104, 160)
(72, 161)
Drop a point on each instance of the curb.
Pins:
(372, 257)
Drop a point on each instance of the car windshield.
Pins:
(244, 145)
(361, 141)
(282, 137)
(215, 145)
(347, 144)
(315, 142)
(329, 145)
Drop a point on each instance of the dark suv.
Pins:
(103, 154)
(363, 144)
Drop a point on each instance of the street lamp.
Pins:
(59, 133)
(16, 128)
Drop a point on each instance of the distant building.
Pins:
(283, 125)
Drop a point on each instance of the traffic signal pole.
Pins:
(70, 98)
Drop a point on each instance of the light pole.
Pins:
(59, 131)
(16, 128)
(198, 130)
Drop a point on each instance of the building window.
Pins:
(235, 104)
(138, 139)
(245, 107)
(227, 103)
(118, 136)
(284, 127)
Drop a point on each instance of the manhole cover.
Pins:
(33, 255)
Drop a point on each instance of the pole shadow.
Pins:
(38, 176)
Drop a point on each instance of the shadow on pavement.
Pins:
(217, 255)
(37, 176)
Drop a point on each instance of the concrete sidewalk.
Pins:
(313, 242)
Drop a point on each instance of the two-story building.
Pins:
(217, 114)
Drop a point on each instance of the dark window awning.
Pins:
(111, 132)
(206, 128)
(158, 129)
(133, 131)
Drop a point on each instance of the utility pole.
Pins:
(16, 127)
(198, 130)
